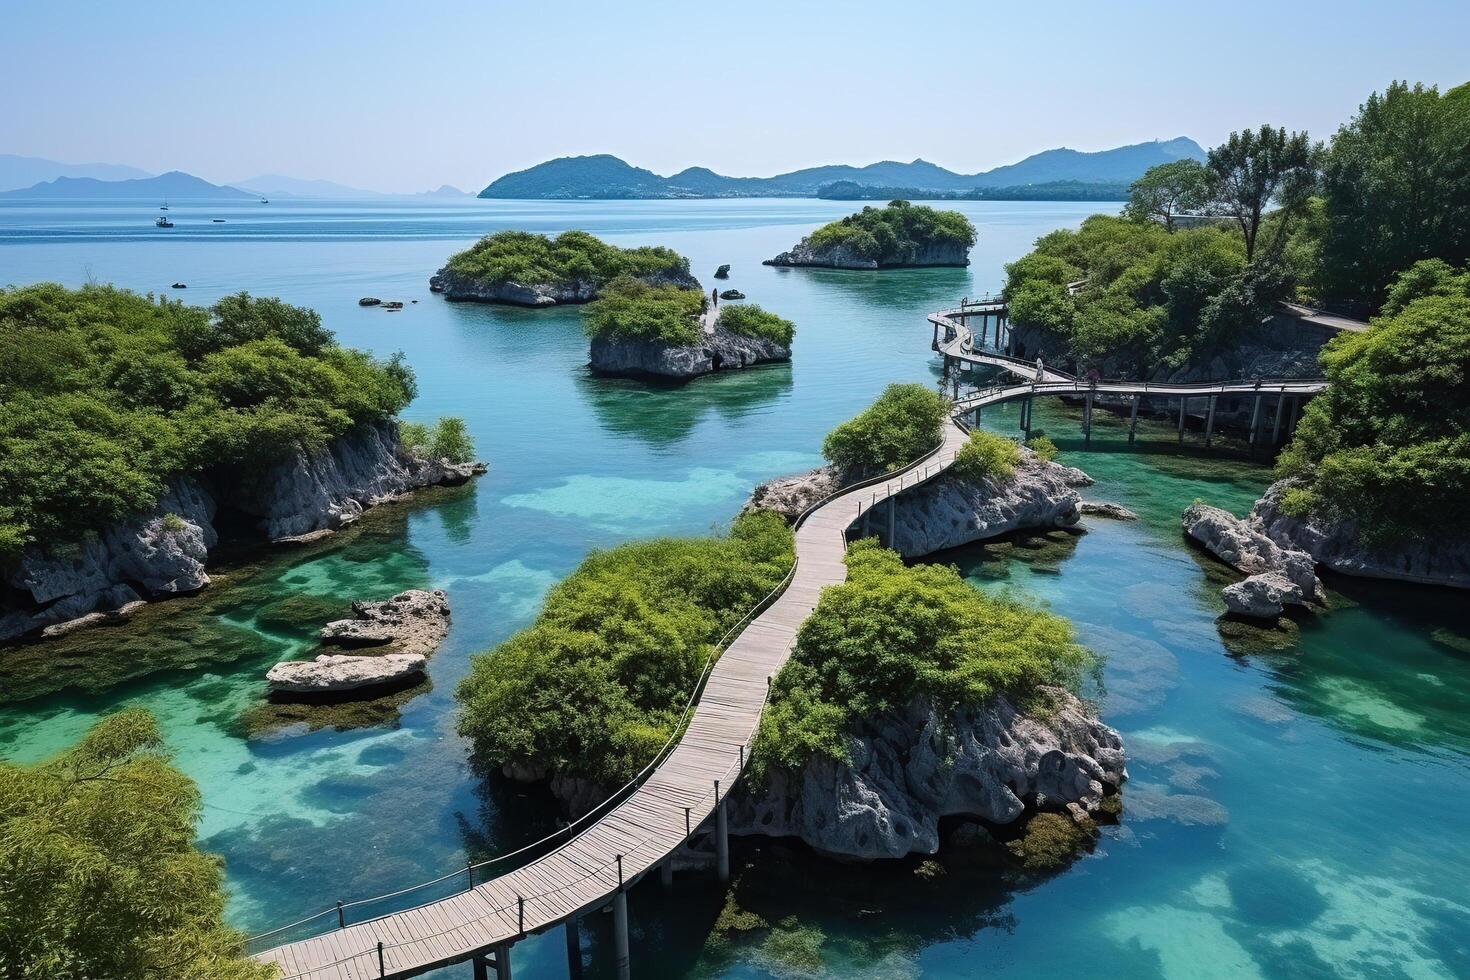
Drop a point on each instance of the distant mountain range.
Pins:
(18, 171)
(175, 185)
(604, 176)
(277, 185)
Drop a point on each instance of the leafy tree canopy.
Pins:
(1251, 171)
(1388, 443)
(986, 456)
(448, 438)
(1168, 190)
(101, 874)
(106, 395)
(892, 633)
(904, 423)
(595, 686)
(894, 235)
(749, 320)
(630, 309)
(525, 257)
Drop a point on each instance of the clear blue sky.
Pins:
(405, 96)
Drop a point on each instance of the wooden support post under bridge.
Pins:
(1276, 423)
(574, 949)
(1210, 423)
(1133, 420)
(1183, 404)
(1087, 421)
(1255, 422)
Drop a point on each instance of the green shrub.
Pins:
(172, 523)
(107, 396)
(894, 235)
(633, 310)
(750, 320)
(891, 633)
(905, 422)
(1052, 840)
(448, 438)
(1388, 443)
(525, 257)
(594, 687)
(102, 874)
(1043, 447)
(986, 457)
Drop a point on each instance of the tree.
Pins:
(1168, 190)
(905, 422)
(100, 874)
(1396, 184)
(1252, 170)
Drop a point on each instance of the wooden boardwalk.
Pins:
(644, 830)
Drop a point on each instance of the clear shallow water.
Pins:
(1291, 813)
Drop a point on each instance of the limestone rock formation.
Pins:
(910, 768)
(723, 272)
(1247, 549)
(1436, 561)
(161, 552)
(1103, 508)
(329, 489)
(844, 257)
(720, 350)
(789, 496)
(458, 287)
(414, 621)
(948, 511)
(335, 673)
(732, 294)
(1262, 596)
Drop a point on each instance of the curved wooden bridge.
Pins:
(642, 832)
(684, 788)
(960, 346)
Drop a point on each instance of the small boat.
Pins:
(180, 285)
(163, 206)
(163, 222)
(264, 201)
(218, 221)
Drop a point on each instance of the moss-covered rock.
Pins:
(1052, 840)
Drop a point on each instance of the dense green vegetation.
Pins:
(594, 687)
(1388, 444)
(448, 438)
(630, 309)
(905, 422)
(891, 633)
(986, 456)
(749, 320)
(101, 877)
(1167, 191)
(105, 395)
(525, 257)
(894, 235)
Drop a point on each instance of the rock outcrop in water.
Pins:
(1245, 547)
(165, 551)
(948, 511)
(911, 768)
(1433, 561)
(552, 293)
(843, 256)
(718, 350)
(332, 673)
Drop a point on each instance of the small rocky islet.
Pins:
(900, 235)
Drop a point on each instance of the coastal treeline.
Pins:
(102, 877)
(1374, 223)
(105, 395)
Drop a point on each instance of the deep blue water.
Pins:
(1298, 812)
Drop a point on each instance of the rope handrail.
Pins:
(665, 750)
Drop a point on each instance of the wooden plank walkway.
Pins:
(645, 829)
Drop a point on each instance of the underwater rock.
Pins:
(334, 673)
(910, 768)
(415, 621)
(1102, 508)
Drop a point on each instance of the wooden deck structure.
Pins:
(686, 789)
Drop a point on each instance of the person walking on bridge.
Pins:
(1040, 370)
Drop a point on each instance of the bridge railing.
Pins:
(360, 911)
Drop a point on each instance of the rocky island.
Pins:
(526, 269)
(638, 330)
(166, 431)
(900, 235)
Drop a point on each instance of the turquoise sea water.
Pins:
(1297, 812)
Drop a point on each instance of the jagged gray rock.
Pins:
(720, 350)
(911, 768)
(1262, 596)
(335, 673)
(1103, 508)
(723, 272)
(458, 287)
(159, 553)
(1249, 550)
(789, 496)
(414, 621)
(329, 489)
(948, 511)
(732, 294)
(1443, 560)
(844, 257)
